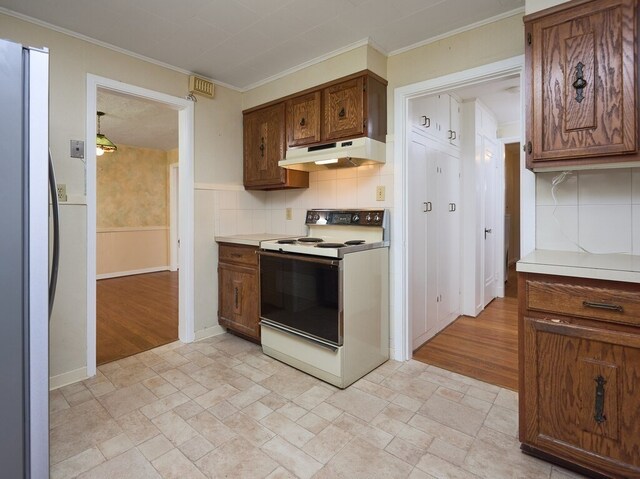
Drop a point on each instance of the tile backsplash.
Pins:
(240, 211)
(597, 210)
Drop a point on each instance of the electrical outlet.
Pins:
(379, 193)
(289, 213)
(62, 192)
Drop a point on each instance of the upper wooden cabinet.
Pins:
(349, 107)
(264, 146)
(581, 85)
(344, 114)
(303, 119)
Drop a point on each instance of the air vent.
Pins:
(200, 86)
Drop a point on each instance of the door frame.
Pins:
(174, 209)
(185, 110)
(401, 331)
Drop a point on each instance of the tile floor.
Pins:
(219, 408)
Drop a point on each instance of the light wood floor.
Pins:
(485, 347)
(135, 313)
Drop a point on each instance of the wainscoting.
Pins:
(126, 251)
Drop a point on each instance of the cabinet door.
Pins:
(454, 121)
(582, 88)
(423, 112)
(422, 222)
(264, 146)
(343, 109)
(581, 393)
(238, 298)
(303, 119)
(448, 238)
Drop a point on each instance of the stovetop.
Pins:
(334, 233)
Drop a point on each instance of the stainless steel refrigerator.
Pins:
(24, 261)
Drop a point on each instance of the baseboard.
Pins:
(209, 332)
(70, 377)
(118, 274)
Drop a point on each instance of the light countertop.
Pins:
(612, 267)
(252, 239)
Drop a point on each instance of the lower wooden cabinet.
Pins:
(238, 293)
(580, 373)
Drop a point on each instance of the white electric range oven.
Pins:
(324, 298)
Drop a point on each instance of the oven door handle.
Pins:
(300, 257)
(279, 327)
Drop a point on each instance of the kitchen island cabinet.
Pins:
(579, 356)
(581, 84)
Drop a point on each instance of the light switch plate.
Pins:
(289, 213)
(61, 191)
(77, 149)
(379, 193)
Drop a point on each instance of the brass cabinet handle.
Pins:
(607, 306)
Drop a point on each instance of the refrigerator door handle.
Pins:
(55, 260)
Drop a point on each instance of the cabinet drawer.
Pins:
(606, 304)
(238, 254)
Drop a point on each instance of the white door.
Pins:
(449, 247)
(489, 171)
(174, 217)
(422, 307)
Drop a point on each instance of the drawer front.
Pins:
(604, 304)
(238, 254)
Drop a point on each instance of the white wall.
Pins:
(218, 157)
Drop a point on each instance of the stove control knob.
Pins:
(316, 217)
(368, 218)
(310, 217)
(376, 218)
(355, 218)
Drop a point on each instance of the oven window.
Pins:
(302, 295)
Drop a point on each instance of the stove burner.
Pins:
(353, 242)
(329, 245)
(307, 239)
(286, 241)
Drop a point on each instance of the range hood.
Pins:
(343, 154)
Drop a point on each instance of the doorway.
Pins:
(136, 292)
(454, 84)
(185, 112)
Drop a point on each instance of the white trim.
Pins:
(401, 346)
(186, 154)
(118, 274)
(130, 229)
(79, 36)
(174, 205)
(466, 28)
(69, 377)
(216, 330)
(218, 186)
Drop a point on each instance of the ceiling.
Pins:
(134, 121)
(243, 43)
(501, 96)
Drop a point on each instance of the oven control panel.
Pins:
(346, 217)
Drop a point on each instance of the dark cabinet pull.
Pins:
(607, 306)
(487, 230)
(599, 402)
(452, 207)
(529, 147)
(302, 122)
(454, 134)
(342, 113)
(450, 135)
(262, 146)
(580, 84)
(427, 206)
(236, 294)
(426, 121)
